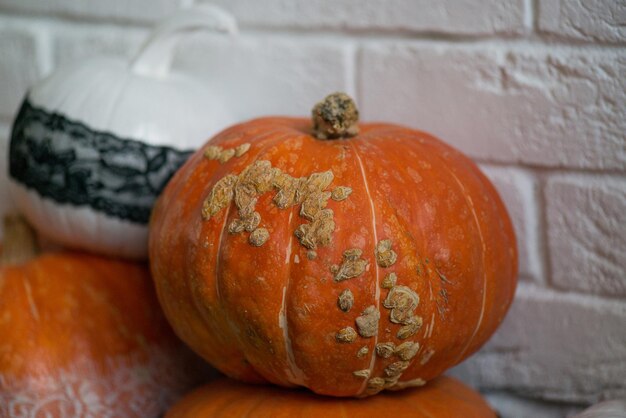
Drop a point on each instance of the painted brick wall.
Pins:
(534, 90)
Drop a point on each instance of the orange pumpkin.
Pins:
(444, 397)
(83, 336)
(341, 261)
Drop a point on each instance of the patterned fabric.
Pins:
(140, 386)
(72, 164)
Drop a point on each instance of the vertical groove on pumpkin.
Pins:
(20, 241)
(376, 267)
(270, 140)
(413, 242)
(217, 255)
(197, 298)
(470, 203)
(295, 375)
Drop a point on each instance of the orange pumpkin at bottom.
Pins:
(83, 336)
(443, 397)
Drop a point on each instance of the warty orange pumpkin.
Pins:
(83, 336)
(444, 397)
(348, 258)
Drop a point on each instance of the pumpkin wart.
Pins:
(385, 350)
(259, 178)
(346, 300)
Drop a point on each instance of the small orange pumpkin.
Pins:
(83, 336)
(309, 254)
(444, 397)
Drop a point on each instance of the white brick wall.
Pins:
(18, 67)
(110, 10)
(597, 20)
(587, 233)
(80, 41)
(267, 74)
(518, 189)
(511, 102)
(555, 346)
(535, 90)
(467, 17)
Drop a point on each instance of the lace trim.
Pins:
(68, 162)
(137, 386)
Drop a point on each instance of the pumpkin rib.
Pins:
(315, 311)
(228, 208)
(292, 135)
(378, 147)
(406, 227)
(253, 402)
(284, 318)
(257, 403)
(480, 228)
(377, 275)
(225, 408)
(462, 395)
(376, 133)
(470, 202)
(294, 369)
(459, 392)
(276, 137)
(182, 186)
(221, 171)
(305, 168)
(413, 240)
(218, 251)
(226, 398)
(423, 404)
(422, 412)
(369, 140)
(271, 139)
(342, 410)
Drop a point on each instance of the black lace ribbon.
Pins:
(70, 163)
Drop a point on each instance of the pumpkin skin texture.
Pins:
(290, 304)
(83, 336)
(444, 397)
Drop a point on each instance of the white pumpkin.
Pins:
(94, 144)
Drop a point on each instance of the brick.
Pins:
(19, 68)
(119, 10)
(78, 42)
(518, 191)
(512, 406)
(447, 16)
(550, 106)
(258, 76)
(598, 20)
(554, 346)
(587, 233)
(6, 204)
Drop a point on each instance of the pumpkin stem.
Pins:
(20, 242)
(335, 117)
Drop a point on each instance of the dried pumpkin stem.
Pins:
(20, 241)
(335, 117)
